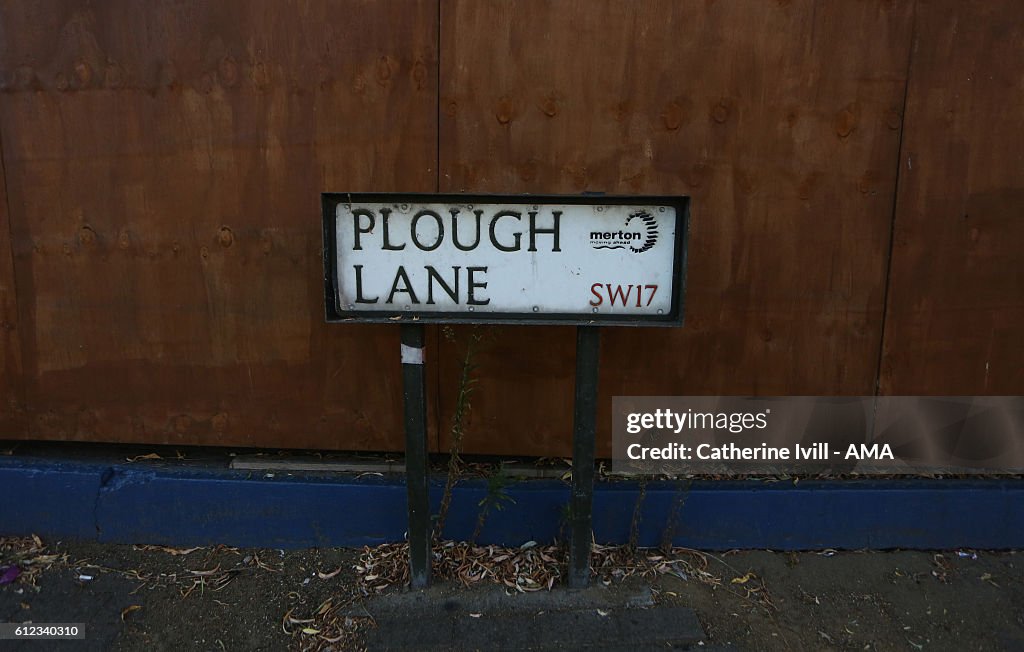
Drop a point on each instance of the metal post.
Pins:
(584, 420)
(416, 461)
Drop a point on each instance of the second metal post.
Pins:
(581, 503)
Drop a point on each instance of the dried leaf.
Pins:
(171, 551)
(129, 609)
(327, 576)
(147, 456)
(43, 559)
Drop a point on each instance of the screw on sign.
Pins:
(504, 259)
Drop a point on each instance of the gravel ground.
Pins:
(220, 598)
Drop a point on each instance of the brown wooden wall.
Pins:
(855, 170)
(955, 319)
(164, 162)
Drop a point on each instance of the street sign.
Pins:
(590, 260)
(519, 259)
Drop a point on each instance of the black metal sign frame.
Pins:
(338, 313)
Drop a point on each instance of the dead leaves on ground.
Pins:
(171, 551)
(327, 576)
(212, 580)
(178, 455)
(611, 563)
(29, 556)
(127, 610)
(330, 627)
(942, 569)
(527, 568)
(20, 546)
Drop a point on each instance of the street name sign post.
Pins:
(588, 261)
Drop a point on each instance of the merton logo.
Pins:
(639, 234)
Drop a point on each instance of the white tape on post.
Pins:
(411, 355)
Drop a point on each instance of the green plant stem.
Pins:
(457, 431)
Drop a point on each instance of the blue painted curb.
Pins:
(188, 505)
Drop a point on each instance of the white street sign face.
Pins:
(448, 258)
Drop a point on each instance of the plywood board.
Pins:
(781, 120)
(955, 317)
(165, 162)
